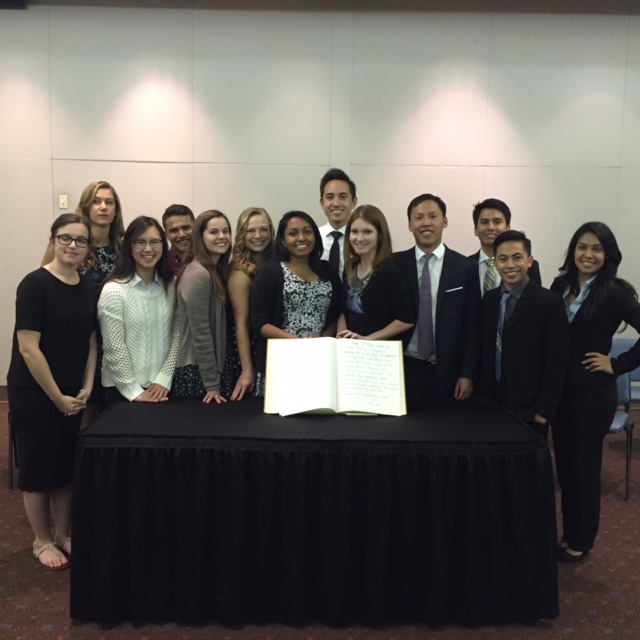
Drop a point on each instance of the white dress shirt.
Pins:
(327, 243)
(435, 271)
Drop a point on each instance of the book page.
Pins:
(300, 376)
(371, 377)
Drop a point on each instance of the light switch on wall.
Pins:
(63, 202)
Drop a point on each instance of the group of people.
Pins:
(116, 315)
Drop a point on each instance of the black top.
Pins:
(267, 306)
(64, 315)
(595, 333)
(384, 299)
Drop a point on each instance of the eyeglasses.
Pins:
(141, 244)
(66, 239)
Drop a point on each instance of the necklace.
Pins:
(358, 284)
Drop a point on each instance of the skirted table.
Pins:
(193, 513)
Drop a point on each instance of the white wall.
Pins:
(229, 109)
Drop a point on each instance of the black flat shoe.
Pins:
(566, 557)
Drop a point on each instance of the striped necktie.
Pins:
(490, 277)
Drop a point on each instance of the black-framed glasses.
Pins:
(66, 239)
(141, 244)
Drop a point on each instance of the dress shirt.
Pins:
(574, 307)
(327, 243)
(176, 261)
(435, 270)
(516, 292)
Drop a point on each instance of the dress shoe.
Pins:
(566, 557)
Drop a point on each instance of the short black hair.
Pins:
(491, 203)
(337, 174)
(423, 198)
(512, 236)
(176, 210)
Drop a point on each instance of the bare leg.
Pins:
(36, 506)
(61, 509)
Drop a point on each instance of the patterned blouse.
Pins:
(305, 305)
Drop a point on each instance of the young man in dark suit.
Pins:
(491, 217)
(525, 338)
(442, 351)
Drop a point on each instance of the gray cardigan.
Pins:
(203, 325)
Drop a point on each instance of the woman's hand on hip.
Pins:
(597, 362)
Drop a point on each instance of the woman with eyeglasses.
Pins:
(202, 295)
(100, 208)
(137, 318)
(50, 379)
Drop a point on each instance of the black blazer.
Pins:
(533, 273)
(595, 334)
(535, 351)
(457, 335)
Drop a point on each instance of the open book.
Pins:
(329, 375)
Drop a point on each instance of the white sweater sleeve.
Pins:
(116, 360)
(165, 375)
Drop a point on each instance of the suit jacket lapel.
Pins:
(522, 307)
(445, 274)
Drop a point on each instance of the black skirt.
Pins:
(45, 438)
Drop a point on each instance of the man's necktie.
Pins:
(334, 252)
(425, 319)
(490, 276)
(504, 297)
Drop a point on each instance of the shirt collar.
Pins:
(330, 230)
(482, 257)
(438, 252)
(516, 292)
(137, 280)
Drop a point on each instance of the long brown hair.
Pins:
(219, 272)
(374, 217)
(243, 258)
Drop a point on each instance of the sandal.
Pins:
(49, 546)
(61, 546)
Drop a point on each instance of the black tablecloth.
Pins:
(192, 513)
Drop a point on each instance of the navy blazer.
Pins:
(457, 334)
(533, 273)
(535, 351)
